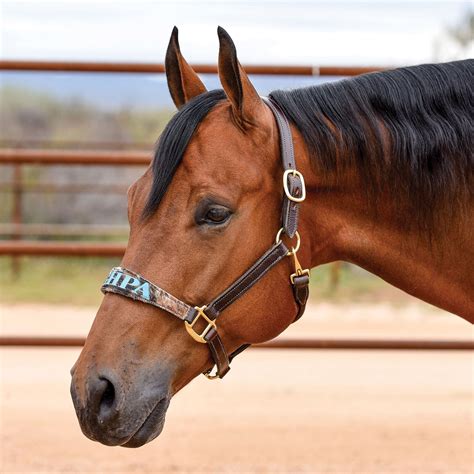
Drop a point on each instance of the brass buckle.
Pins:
(210, 324)
(287, 191)
(299, 273)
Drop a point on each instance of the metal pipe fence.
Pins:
(60, 249)
(159, 68)
(63, 230)
(326, 344)
(67, 188)
(13, 156)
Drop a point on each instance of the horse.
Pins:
(377, 171)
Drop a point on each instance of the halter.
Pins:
(132, 285)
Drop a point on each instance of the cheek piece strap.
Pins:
(126, 283)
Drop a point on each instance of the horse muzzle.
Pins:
(113, 415)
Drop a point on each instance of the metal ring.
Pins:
(293, 249)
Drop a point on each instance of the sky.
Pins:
(374, 32)
(267, 32)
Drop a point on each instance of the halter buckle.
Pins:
(287, 190)
(190, 326)
(299, 273)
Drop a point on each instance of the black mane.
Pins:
(426, 112)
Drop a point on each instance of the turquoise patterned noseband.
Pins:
(132, 285)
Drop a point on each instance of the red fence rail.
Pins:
(150, 68)
(333, 344)
(64, 230)
(68, 188)
(72, 157)
(63, 249)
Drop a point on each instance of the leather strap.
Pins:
(286, 140)
(219, 356)
(243, 283)
(301, 293)
(290, 208)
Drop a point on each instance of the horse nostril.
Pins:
(108, 395)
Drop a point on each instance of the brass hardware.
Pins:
(298, 270)
(210, 376)
(287, 191)
(210, 325)
(293, 249)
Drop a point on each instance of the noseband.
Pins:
(127, 283)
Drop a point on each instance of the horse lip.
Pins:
(151, 427)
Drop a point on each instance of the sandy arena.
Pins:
(277, 411)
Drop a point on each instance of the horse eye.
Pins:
(217, 215)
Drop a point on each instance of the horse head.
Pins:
(207, 208)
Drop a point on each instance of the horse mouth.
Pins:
(151, 427)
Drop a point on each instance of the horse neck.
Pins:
(341, 224)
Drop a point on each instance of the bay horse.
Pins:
(388, 176)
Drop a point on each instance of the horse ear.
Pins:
(246, 103)
(183, 82)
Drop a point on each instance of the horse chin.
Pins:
(151, 427)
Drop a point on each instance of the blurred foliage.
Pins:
(37, 116)
(35, 119)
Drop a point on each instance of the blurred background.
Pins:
(359, 411)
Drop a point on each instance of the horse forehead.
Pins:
(218, 141)
(207, 166)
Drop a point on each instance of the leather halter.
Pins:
(127, 283)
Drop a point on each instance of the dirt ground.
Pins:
(277, 411)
